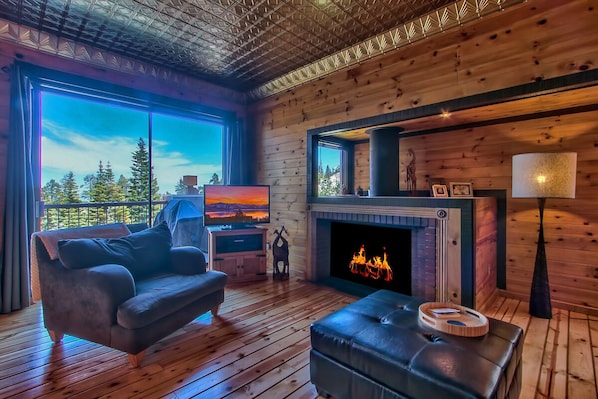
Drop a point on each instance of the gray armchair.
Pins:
(125, 293)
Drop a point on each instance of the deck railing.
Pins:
(58, 216)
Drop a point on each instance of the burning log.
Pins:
(375, 268)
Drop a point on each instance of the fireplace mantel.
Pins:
(465, 238)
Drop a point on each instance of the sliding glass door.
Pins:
(105, 160)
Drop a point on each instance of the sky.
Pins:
(78, 134)
(328, 156)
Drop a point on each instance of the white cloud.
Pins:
(82, 154)
(171, 167)
(64, 150)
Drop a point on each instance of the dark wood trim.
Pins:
(47, 79)
(538, 88)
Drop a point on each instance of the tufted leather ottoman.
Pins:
(376, 348)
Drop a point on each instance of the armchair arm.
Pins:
(187, 260)
(84, 302)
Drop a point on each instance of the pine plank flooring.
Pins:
(258, 347)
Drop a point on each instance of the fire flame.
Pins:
(375, 268)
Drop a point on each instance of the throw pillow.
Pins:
(142, 253)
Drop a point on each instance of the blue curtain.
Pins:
(19, 221)
(240, 165)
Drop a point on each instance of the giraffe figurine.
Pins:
(411, 179)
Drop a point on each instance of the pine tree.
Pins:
(328, 172)
(70, 189)
(114, 193)
(123, 183)
(69, 194)
(98, 193)
(180, 188)
(88, 182)
(327, 185)
(215, 179)
(141, 181)
(51, 193)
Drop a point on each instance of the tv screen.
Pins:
(236, 206)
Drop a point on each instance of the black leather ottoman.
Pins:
(377, 348)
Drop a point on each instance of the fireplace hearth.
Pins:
(375, 256)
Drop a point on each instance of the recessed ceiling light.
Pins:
(445, 114)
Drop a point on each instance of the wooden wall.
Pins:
(539, 40)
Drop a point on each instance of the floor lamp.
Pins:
(541, 176)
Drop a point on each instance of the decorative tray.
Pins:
(453, 319)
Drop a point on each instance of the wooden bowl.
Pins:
(453, 319)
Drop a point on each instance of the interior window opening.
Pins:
(330, 171)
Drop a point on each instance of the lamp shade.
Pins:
(189, 180)
(544, 175)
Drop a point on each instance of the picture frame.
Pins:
(439, 190)
(461, 189)
(432, 181)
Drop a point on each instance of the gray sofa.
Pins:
(120, 289)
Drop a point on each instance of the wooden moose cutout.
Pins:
(280, 253)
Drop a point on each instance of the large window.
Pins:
(105, 161)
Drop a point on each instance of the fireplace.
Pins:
(420, 247)
(379, 257)
(453, 242)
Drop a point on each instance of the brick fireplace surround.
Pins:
(443, 249)
(423, 245)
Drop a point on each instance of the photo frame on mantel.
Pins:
(461, 189)
(439, 190)
(433, 181)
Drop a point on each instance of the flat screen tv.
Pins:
(236, 206)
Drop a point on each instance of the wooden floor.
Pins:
(258, 346)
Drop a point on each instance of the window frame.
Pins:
(347, 165)
(42, 79)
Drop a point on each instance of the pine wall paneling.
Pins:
(537, 41)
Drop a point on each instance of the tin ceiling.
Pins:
(254, 46)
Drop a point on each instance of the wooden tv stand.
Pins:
(240, 253)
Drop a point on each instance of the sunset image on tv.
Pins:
(236, 205)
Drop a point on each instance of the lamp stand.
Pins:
(539, 300)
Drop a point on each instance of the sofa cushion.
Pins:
(50, 238)
(143, 253)
(163, 295)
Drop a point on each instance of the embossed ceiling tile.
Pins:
(167, 11)
(48, 43)
(210, 7)
(149, 12)
(12, 4)
(99, 4)
(221, 3)
(30, 14)
(230, 17)
(246, 42)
